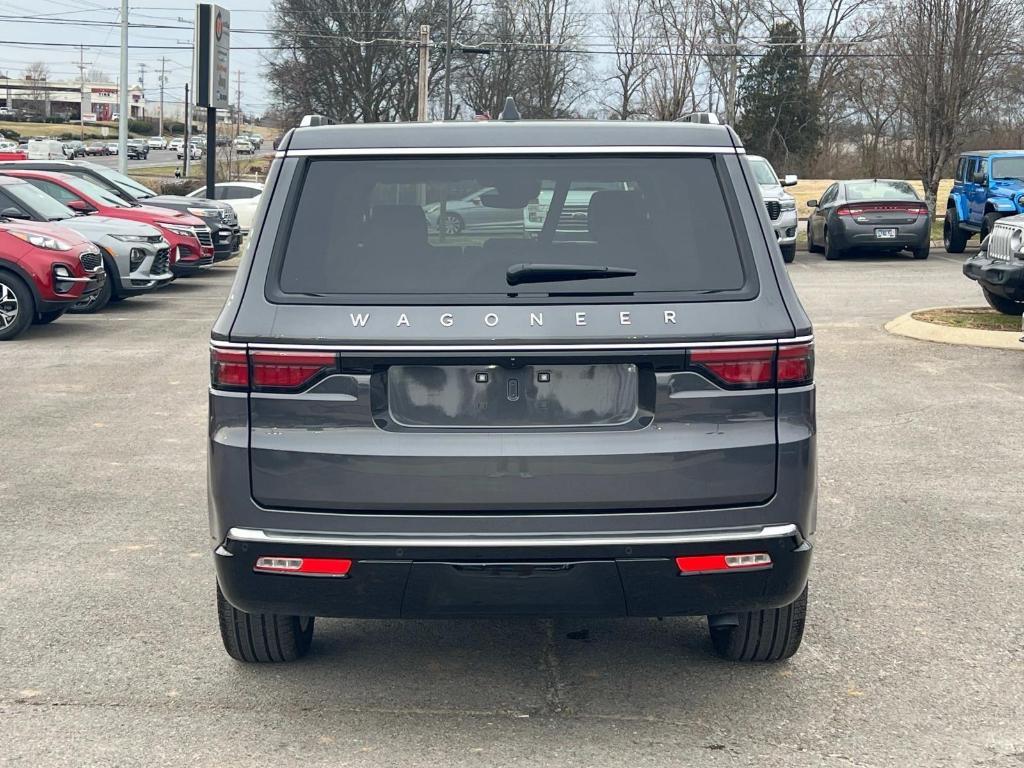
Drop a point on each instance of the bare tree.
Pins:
(728, 22)
(946, 54)
(670, 90)
(96, 75)
(554, 71)
(629, 26)
(876, 103)
(38, 72)
(487, 80)
(354, 60)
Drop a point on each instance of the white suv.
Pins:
(781, 205)
(157, 142)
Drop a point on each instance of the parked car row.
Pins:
(74, 236)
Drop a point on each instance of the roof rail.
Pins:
(310, 121)
(707, 118)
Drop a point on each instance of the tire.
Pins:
(453, 224)
(832, 253)
(770, 634)
(96, 302)
(262, 638)
(45, 318)
(812, 246)
(17, 306)
(921, 251)
(1002, 304)
(953, 238)
(788, 253)
(987, 223)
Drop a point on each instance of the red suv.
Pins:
(44, 270)
(190, 239)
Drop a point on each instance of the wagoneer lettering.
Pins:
(550, 368)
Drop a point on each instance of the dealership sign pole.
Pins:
(212, 49)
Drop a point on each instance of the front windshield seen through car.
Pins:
(98, 193)
(763, 172)
(1008, 168)
(48, 207)
(133, 187)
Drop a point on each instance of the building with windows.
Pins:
(69, 98)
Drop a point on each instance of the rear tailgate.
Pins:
(594, 430)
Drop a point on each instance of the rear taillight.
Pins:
(290, 370)
(229, 369)
(304, 566)
(237, 369)
(910, 209)
(736, 366)
(692, 564)
(795, 365)
(754, 367)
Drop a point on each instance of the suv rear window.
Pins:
(448, 229)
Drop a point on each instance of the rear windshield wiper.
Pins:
(544, 273)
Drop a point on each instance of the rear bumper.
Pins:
(442, 577)
(853, 235)
(1003, 278)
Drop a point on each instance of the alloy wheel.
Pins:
(8, 306)
(453, 224)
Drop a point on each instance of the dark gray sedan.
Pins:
(870, 215)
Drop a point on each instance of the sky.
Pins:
(52, 30)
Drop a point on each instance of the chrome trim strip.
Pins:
(216, 344)
(566, 150)
(342, 540)
(522, 347)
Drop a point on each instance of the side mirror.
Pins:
(812, 203)
(13, 213)
(80, 206)
(790, 180)
(476, 201)
(979, 177)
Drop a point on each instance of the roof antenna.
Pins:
(510, 112)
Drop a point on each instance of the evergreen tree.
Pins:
(779, 111)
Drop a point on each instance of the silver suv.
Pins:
(614, 418)
(781, 205)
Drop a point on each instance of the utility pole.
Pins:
(424, 73)
(238, 101)
(448, 66)
(122, 123)
(81, 92)
(163, 79)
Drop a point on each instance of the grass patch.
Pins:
(48, 130)
(978, 318)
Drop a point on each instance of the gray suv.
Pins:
(612, 420)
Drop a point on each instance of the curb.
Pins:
(906, 325)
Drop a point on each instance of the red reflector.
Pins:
(713, 563)
(289, 370)
(796, 365)
(309, 566)
(229, 368)
(736, 366)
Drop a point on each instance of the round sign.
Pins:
(218, 27)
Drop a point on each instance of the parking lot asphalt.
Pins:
(913, 656)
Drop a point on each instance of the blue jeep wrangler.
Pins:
(988, 185)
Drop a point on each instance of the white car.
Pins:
(113, 148)
(8, 146)
(176, 144)
(244, 147)
(243, 196)
(194, 152)
(157, 142)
